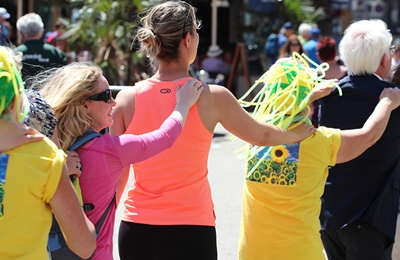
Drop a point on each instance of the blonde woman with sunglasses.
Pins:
(81, 98)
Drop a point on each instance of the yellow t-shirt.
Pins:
(282, 200)
(29, 177)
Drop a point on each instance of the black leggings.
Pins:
(151, 242)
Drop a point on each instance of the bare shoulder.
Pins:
(225, 96)
(123, 111)
(217, 104)
(126, 93)
(211, 103)
(220, 92)
(125, 97)
(218, 89)
(214, 96)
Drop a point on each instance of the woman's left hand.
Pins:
(74, 165)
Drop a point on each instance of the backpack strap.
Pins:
(103, 217)
(87, 136)
(84, 138)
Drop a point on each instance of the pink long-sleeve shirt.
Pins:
(103, 160)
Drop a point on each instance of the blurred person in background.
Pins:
(292, 45)
(5, 27)
(214, 63)
(275, 42)
(395, 60)
(310, 47)
(327, 52)
(304, 32)
(396, 76)
(396, 54)
(37, 55)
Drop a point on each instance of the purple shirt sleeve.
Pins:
(136, 148)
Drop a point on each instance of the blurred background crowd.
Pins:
(102, 31)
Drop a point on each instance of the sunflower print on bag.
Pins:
(278, 168)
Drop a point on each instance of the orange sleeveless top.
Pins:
(172, 187)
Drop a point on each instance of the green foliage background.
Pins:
(106, 27)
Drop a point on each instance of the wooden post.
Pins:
(19, 14)
(239, 53)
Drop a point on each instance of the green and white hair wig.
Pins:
(283, 100)
(11, 85)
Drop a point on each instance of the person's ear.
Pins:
(22, 36)
(13, 104)
(12, 108)
(384, 58)
(85, 104)
(187, 40)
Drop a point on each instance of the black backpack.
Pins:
(56, 245)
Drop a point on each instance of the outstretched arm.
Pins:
(144, 146)
(240, 123)
(356, 141)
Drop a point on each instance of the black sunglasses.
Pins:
(103, 96)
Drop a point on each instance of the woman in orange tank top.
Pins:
(169, 213)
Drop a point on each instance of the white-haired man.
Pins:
(36, 54)
(304, 33)
(360, 202)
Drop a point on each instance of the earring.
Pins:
(188, 44)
